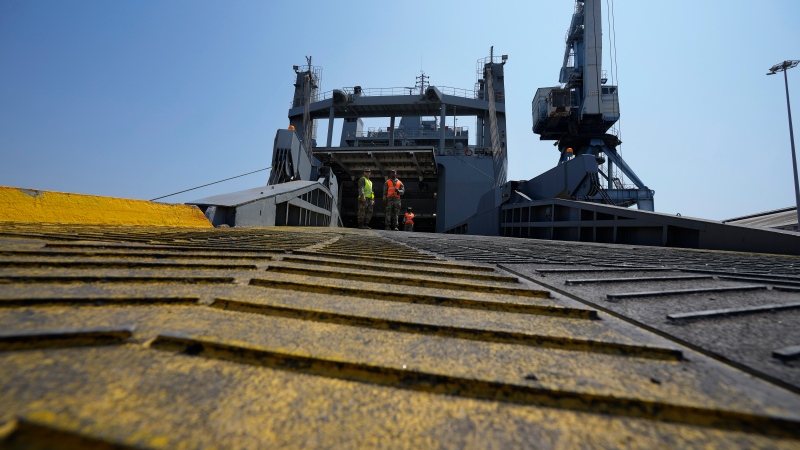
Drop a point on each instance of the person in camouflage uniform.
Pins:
(366, 200)
(392, 190)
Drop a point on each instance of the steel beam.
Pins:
(416, 165)
(377, 164)
(330, 126)
(442, 128)
(335, 158)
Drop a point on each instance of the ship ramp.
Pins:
(187, 337)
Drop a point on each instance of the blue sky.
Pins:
(142, 98)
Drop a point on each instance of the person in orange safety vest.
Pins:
(392, 190)
(409, 222)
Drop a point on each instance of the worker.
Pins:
(366, 200)
(409, 222)
(392, 190)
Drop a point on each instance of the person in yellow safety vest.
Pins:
(366, 200)
(409, 220)
(392, 190)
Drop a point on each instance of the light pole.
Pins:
(783, 67)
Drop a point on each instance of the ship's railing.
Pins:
(469, 151)
(618, 183)
(480, 67)
(401, 133)
(458, 92)
(325, 95)
(393, 91)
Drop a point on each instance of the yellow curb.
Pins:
(31, 205)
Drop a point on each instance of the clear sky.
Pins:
(142, 98)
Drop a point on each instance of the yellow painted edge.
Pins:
(35, 206)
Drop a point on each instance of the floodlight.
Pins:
(783, 67)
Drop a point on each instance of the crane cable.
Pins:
(614, 71)
(209, 184)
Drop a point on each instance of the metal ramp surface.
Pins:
(740, 308)
(144, 337)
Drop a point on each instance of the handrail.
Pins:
(401, 129)
(406, 133)
(393, 91)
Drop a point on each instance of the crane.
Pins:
(579, 113)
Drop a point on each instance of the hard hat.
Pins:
(367, 170)
(392, 171)
(409, 208)
(291, 127)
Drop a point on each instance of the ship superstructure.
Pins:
(435, 161)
